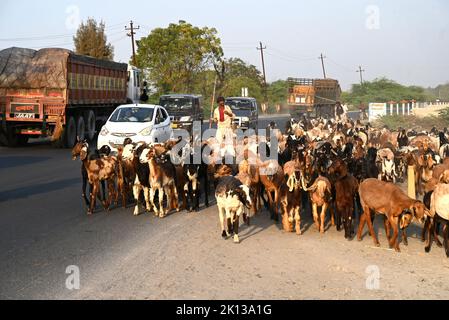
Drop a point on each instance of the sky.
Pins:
(403, 40)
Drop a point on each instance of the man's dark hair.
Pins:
(220, 99)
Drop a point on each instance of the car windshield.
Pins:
(132, 114)
(236, 104)
(176, 103)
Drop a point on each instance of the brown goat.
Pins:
(346, 189)
(320, 196)
(272, 177)
(389, 200)
(290, 197)
(104, 168)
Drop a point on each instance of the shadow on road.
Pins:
(16, 161)
(35, 189)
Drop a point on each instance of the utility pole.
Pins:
(361, 71)
(131, 34)
(263, 69)
(322, 64)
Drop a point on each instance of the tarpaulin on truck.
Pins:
(22, 68)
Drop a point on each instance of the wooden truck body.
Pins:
(313, 97)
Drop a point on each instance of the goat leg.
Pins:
(404, 236)
(371, 230)
(236, 228)
(425, 229)
(394, 243)
(429, 227)
(436, 231)
(85, 178)
(323, 217)
(136, 193)
(298, 220)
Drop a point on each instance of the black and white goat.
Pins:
(232, 197)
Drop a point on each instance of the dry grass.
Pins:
(411, 122)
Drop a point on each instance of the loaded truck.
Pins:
(55, 92)
(312, 97)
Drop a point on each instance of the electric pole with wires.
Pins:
(263, 69)
(361, 71)
(131, 34)
(322, 64)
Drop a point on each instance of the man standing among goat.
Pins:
(223, 116)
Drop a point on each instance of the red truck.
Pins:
(55, 92)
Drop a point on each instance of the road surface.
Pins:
(44, 230)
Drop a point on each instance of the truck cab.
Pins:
(183, 109)
(134, 84)
(245, 110)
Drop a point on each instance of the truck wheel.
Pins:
(15, 140)
(90, 124)
(81, 128)
(70, 132)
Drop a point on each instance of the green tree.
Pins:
(277, 92)
(236, 74)
(91, 40)
(383, 90)
(175, 56)
(440, 92)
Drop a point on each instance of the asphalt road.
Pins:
(44, 229)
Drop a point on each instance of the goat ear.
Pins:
(77, 138)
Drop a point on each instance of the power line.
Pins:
(288, 59)
(340, 65)
(49, 37)
(287, 55)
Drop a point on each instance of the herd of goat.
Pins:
(347, 170)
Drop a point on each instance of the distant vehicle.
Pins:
(245, 110)
(140, 122)
(183, 109)
(55, 92)
(312, 97)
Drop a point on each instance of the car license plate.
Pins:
(118, 141)
(24, 115)
(174, 125)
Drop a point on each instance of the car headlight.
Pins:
(146, 131)
(185, 118)
(104, 131)
(245, 119)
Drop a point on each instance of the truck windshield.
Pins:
(176, 103)
(132, 114)
(238, 104)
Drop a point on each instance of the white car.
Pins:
(140, 122)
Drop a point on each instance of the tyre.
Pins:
(90, 124)
(15, 140)
(70, 133)
(81, 128)
(12, 139)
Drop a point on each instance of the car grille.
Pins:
(124, 135)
